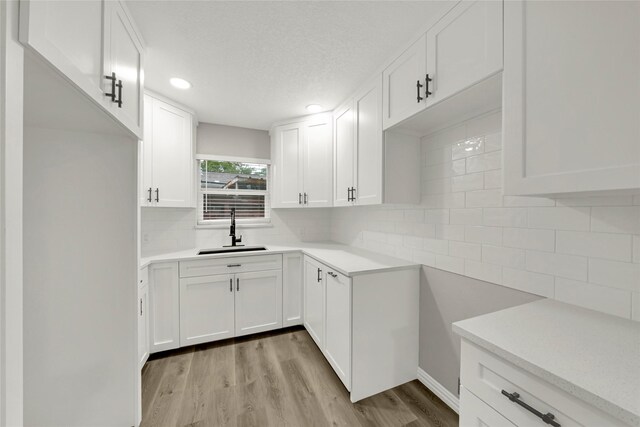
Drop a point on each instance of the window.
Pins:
(227, 184)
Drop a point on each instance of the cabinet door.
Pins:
(464, 47)
(292, 289)
(164, 313)
(258, 301)
(124, 57)
(287, 176)
(344, 155)
(571, 98)
(143, 324)
(68, 34)
(401, 92)
(318, 163)
(172, 155)
(146, 156)
(475, 413)
(206, 309)
(314, 300)
(369, 178)
(338, 323)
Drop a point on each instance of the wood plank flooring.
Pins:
(273, 379)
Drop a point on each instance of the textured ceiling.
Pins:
(253, 63)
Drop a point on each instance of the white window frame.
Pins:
(244, 222)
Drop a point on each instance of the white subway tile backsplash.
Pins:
(481, 234)
(484, 198)
(597, 245)
(636, 249)
(466, 250)
(616, 219)
(635, 306)
(450, 200)
(471, 216)
(500, 255)
(467, 147)
(524, 201)
(450, 232)
(560, 218)
(493, 142)
(449, 263)
(526, 281)
(622, 275)
(474, 181)
(484, 162)
(595, 201)
(436, 246)
(528, 238)
(505, 217)
(423, 257)
(560, 265)
(608, 300)
(483, 271)
(493, 179)
(436, 216)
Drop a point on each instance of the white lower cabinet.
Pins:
(338, 325)
(366, 326)
(258, 301)
(204, 300)
(314, 299)
(500, 385)
(292, 291)
(164, 307)
(143, 318)
(206, 309)
(479, 414)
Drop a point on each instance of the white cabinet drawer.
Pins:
(475, 413)
(487, 375)
(231, 265)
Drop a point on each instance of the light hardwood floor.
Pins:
(271, 379)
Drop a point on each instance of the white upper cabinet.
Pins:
(68, 34)
(318, 160)
(358, 148)
(287, 169)
(403, 84)
(303, 163)
(464, 47)
(123, 61)
(87, 41)
(571, 98)
(345, 154)
(368, 172)
(167, 155)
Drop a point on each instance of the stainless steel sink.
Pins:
(231, 249)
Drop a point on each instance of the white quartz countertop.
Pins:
(345, 259)
(590, 355)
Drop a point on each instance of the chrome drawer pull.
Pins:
(234, 265)
(547, 418)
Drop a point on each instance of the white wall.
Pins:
(232, 141)
(80, 273)
(581, 250)
(11, 269)
(168, 230)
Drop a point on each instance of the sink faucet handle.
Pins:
(239, 239)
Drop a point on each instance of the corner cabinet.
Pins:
(358, 148)
(167, 162)
(95, 44)
(571, 122)
(303, 159)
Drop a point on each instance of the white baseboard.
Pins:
(439, 390)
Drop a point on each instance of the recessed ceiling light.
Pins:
(180, 83)
(314, 108)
